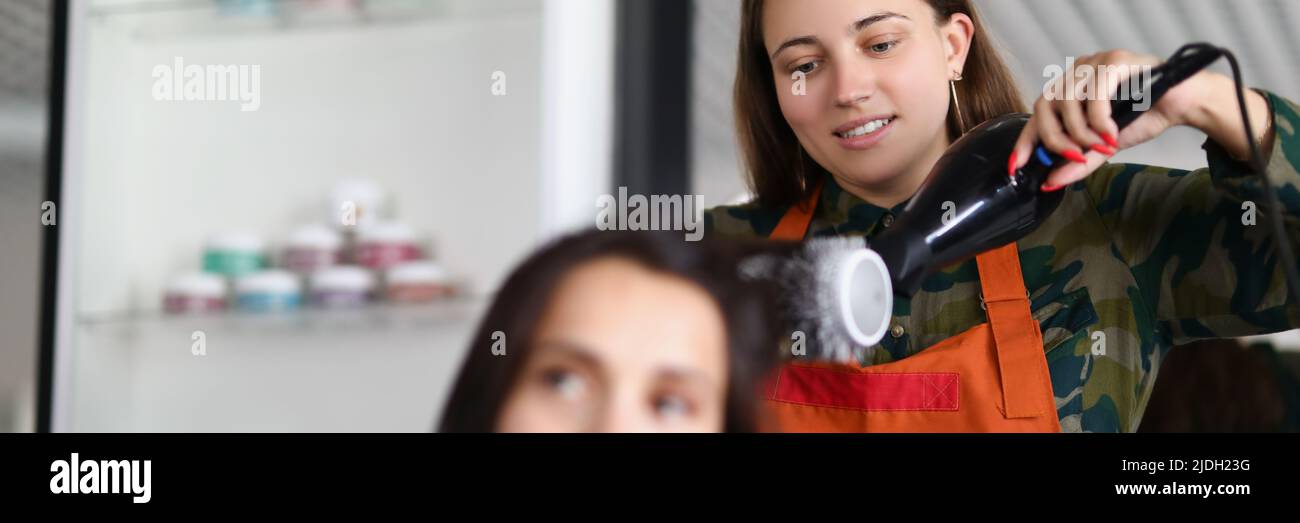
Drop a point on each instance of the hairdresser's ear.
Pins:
(956, 37)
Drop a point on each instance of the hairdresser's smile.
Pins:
(863, 133)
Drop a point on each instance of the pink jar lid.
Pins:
(387, 232)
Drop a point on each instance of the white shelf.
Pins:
(385, 369)
(371, 317)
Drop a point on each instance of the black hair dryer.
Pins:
(969, 204)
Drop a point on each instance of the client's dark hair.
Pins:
(748, 308)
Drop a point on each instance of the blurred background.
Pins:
(457, 135)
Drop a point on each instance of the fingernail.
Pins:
(1103, 149)
(1047, 187)
(1110, 139)
(1074, 156)
(1011, 164)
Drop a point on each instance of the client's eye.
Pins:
(567, 384)
(671, 406)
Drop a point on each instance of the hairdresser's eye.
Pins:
(883, 47)
(567, 384)
(671, 406)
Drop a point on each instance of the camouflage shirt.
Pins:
(1148, 257)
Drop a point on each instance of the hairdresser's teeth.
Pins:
(867, 128)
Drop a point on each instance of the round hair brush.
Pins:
(836, 295)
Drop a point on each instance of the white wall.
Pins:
(407, 102)
(407, 105)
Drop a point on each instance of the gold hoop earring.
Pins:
(952, 84)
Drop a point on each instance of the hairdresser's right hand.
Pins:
(1079, 126)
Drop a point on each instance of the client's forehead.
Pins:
(625, 314)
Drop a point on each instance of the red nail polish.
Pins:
(1103, 149)
(1051, 188)
(1011, 164)
(1110, 139)
(1074, 156)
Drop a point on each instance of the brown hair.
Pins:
(780, 172)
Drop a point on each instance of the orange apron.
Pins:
(990, 378)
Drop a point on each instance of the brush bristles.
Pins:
(810, 282)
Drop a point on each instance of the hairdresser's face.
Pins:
(862, 60)
(623, 349)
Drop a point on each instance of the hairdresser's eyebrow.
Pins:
(795, 42)
(854, 28)
(864, 23)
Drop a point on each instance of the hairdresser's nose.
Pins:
(854, 82)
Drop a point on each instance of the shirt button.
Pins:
(887, 220)
(897, 331)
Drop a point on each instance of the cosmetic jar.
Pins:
(195, 293)
(268, 291)
(386, 244)
(417, 282)
(312, 248)
(234, 254)
(355, 203)
(343, 286)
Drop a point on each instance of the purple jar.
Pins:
(344, 286)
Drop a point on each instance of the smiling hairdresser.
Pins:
(1136, 259)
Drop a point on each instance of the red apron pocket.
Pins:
(872, 391)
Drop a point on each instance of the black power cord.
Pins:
(1257, 164)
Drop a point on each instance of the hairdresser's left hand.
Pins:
(1079, 127)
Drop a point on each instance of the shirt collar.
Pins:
(841, 213)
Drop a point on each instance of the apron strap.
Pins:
(1026, 384)
(794, 223)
